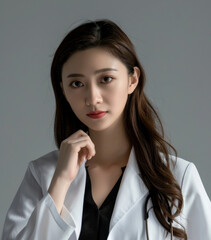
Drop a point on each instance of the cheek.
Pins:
(73, 101)
(118, 96)
(120, 87)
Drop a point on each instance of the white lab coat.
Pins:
(33, 214)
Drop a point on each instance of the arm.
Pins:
(197, 206)
(37, 215)
(33, 215)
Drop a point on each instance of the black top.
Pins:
(95, 222)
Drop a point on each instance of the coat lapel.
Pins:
(132, 190)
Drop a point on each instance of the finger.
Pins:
(83, 152)
(79, 139)
(84, 143)
(79, 133)
(82, 155)
(76, 135)
(82, 138)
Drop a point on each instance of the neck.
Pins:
(112, 147)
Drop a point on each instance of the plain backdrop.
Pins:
(172, 39)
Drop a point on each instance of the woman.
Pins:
(113, 176)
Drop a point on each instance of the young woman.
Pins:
(113, 176)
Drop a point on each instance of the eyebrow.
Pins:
(96, 72)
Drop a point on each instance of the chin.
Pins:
(102, 127)
(97, 129)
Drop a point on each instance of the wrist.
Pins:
(58, 189)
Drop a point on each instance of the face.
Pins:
(94, 80)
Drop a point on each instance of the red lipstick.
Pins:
(96, 114)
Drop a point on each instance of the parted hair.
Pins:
(142, 123)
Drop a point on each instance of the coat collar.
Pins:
(131, 190)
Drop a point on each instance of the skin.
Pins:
(88, 85)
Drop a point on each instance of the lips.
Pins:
(96, 114)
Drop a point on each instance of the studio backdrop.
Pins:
(172, 39)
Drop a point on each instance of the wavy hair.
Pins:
(142, 124)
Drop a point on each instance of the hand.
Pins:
(73, 151)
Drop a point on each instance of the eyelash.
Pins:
(71, 84)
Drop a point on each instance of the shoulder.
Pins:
(43, 168)
(180, 168)
(186, 174)
(196, 203)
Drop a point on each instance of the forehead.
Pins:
(91, 60)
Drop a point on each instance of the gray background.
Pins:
(172, 39)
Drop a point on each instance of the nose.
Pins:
(93, 96)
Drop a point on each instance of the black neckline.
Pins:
(110, 194)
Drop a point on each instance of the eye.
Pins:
(107, 79)
(76, 84)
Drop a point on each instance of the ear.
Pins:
(133, 80)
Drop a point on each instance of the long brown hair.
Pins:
(143, 125)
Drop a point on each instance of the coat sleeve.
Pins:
(34, 216)
(197, 206)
